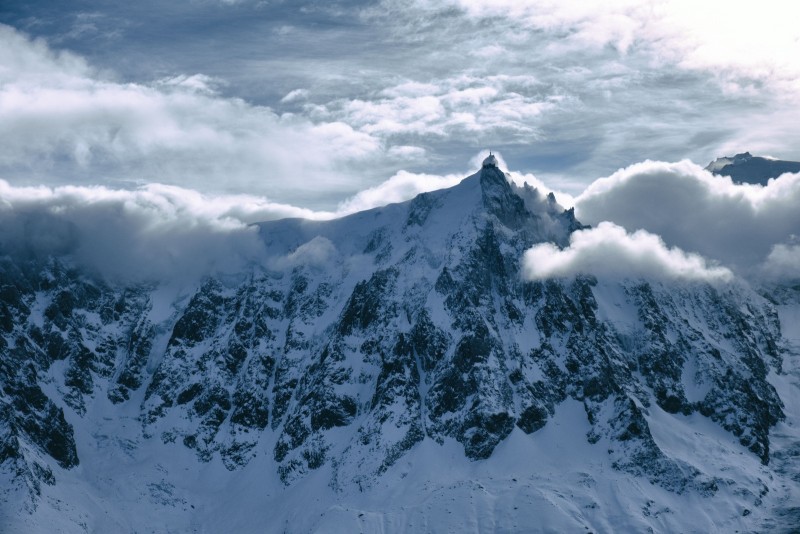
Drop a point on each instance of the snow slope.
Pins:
(392, 371)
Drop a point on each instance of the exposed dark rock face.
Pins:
(422, 327)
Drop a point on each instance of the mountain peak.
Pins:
(499, 198)
(390, 363)
(749, 169)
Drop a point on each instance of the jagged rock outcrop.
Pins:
(415, 324)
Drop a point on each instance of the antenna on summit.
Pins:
(490, 161)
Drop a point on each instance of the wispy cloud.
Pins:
(318, 252)
(406, 185)
(345, 95)
(400, 187)
(60, 119)
(783, 263)
(655, 79)
(458, 106)
(295, 95)
(735, 39)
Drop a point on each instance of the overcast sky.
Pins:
(310, 102)
(308, 107)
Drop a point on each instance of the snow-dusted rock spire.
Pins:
(490, 161)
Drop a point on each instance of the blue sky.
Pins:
(308, 103)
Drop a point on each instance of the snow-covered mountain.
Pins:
(745, 168)
(392, 371)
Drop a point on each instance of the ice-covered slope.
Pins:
(391, 371)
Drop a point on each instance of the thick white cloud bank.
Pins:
(156, 232)
(737, 225)
(609, 251)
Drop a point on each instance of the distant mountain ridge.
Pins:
(745, 168)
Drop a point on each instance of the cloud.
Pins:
(318, 252)
(165, 232)
(295, 95)
(489, 51)
(66, 122)
(160, 231)
(400, 187)
(633, 80)
(567, 90)
(405, 185)
(61, 120)
(738, 225)
(609, 251)
(783, 263)
(459, 105)
(157, 232)
(718, 36)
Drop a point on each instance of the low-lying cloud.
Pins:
(317, 252)
(400, 187)
(156, 232)
(668, 220)
(782, 263)
(159, 231)
(406, 185)
(737, 225)
(610, 251)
